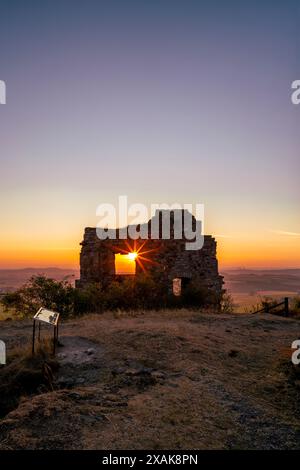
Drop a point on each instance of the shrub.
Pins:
(139, 292)
(41, 292)
(125, 293)
(296, 305)
(193, 295)
(12, 301)
(89, 299)
(227, 304)
(134, 293)
(268, 302)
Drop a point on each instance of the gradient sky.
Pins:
(165, 101)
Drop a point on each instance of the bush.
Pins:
(268, 303)
(296, 305)
(125, 293)
(227, 304)
(12, 300)
(138, 292)
(41, 292)
(193, 295)
(88, 300)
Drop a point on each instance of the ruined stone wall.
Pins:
(168, 259)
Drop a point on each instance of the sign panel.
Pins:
(47, 316)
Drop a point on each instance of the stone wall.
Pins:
(167, 259)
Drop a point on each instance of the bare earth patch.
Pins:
(157, 380)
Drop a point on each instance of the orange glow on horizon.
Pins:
(239, 250)
(258, 253)
(39, 258)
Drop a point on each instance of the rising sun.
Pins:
(132, 255)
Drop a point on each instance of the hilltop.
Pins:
(155, 380)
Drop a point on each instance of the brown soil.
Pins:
(158, 380)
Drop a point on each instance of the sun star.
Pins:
(132, 256)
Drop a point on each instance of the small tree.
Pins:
(41, 292)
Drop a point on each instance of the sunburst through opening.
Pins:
(125, 264)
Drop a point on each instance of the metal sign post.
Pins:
(51, 318)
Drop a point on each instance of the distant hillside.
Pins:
(12, 279)
(250, 280)
(248, 286)
(239, 282)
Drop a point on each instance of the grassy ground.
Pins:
(157, 380)
(2, 313)
(6, 314)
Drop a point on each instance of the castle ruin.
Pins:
(166, 259)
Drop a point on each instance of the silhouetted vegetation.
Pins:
(41, 291)
(125, 293)
(296, 306)
(227, 304)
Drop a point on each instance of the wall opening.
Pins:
(177, 286)
(125, 264)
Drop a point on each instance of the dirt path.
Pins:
(163, 380)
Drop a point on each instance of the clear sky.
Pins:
(164, 101)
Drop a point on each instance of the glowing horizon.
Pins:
(199, 112)
(278, 251)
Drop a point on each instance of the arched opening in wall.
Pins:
(125, 264)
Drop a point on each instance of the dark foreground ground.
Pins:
(166, 380)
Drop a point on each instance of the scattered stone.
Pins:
(158, 375)
(118, 370)
(110, 397)
(233, 353)
(80, 380)
(65, 382)
(139, 371)
(181, 338)
(75, 395)
(61, 356)
(297, 384)
(172, 384)
(90, 351)
(177, 374)
(42, 389)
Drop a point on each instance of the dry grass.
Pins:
(25, 375)
(4, 314)
(169, 379)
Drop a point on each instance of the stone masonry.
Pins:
(167, 258)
